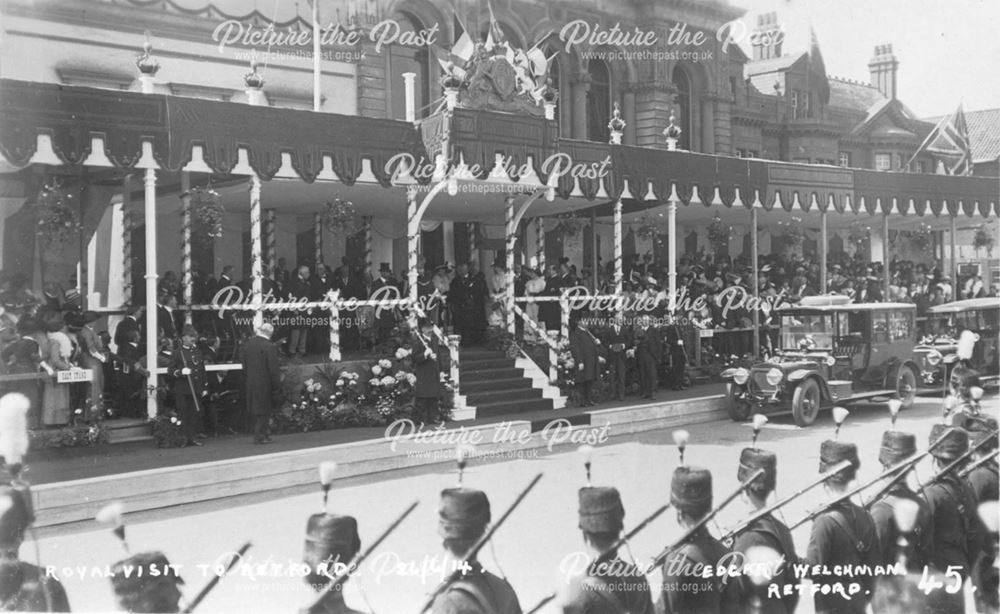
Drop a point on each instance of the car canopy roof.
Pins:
(989, 302)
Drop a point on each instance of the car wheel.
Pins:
(739, 409)
(906, 385)
(806, 402)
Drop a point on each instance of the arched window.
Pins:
(599, 101)
(682, 111)
(403, 59)
(556, 76)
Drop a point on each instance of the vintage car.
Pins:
(938, 351)
(831, 352)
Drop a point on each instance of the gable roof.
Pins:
(984, 133)
(854, 95)
(778, 64)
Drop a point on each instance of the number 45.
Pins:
(929, 583)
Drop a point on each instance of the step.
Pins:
(481, 364)
(479, 354)
(122, 430)
(489, 374)
(512, 407)
(477, 399)
(489, 385)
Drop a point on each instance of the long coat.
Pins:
(425, 369)
(584, 351)
(262, 377)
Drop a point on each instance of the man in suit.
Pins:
(678, 356)
(189, 386)
(385, 317)
(262, 380)
(427, 391)
(168, 319)
(129, 323)
(583, 347)
(649, 352)
(620, 344)
(298, 290)
(226, 279)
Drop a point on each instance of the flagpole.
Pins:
(316, 54)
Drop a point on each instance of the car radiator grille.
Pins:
(760, 382)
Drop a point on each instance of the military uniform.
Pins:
(897, 447)
(611, 585)
(984, 479)
(691, 494)
(332, 541)
(23, 587)
(765, 531)
(146, 582)
(843, 534)
(953, 507)
(189, 390)
(463, 515)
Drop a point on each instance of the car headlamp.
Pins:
(830, 361)
(774, 377)
(934, 358)
(741, 375)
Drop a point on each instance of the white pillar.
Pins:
(413, 237)
(368, 246)
(885, 257)
(756, 279)
(540, 235)
(256, 252)
(317, 55)
(953, 239)
(619, 276)
(152, 326)
(824, 242)
(187, 280)
(317, 240)
(672, 253)
(127, 289)
(511, 237)
(409, 79)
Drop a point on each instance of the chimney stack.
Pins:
(767, 37)
(883, 67)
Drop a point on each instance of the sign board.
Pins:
(706, 332)
(74, 375)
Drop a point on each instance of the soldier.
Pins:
(842, 534)
(953, 507)
(190, 385)
(610, 586)
(678, 357)
(23, 587)
(897, 447)
(985, 573)
(332, 541)
(691, 496)
(464, 514)
(766, 531)
(146, 582)
(984, 478)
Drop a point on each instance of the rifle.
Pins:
(477, 546)
(662, 556)
(887, 487)
(194, 393)
(891, 471)
(211, 583)
(359, 558)
(743, 526)
(991, 456)
(607, 554)
(958, 461)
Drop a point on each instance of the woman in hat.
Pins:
(59, 353)
(93, 355)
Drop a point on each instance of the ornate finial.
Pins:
(253, 79)
(551, 94)
(145, 61)
(672, 132)
(617, 124)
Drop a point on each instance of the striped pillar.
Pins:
(369, 239)
(453, 353)
(187, 280)
(256, 255)
(127, 246)
(473, 248)
(553, 358)
(508, 290)
(540, 235)
(270, 242)
(333, 297)
(564, 317)
(318, 239)
(412, 241)
(618, 247)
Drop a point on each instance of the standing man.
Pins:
(584, 351)
(983, 479)
(620, 343)
(298, 290)
(843, 534)
(384, 288)
(427, 391)
(477, 293)
(678, 357)
(129, 323)
(93, 355)
(649, 352)
(190, 385)
(262, 381)
(897, 447)
(460, 304)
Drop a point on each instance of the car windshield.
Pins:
(807, 332)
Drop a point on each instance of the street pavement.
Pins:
(529, 548)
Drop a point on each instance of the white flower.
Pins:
(385, 363)
(308, 383)
(400, 354)
(173, 420)
(340, 383)
(353, 383)
(376, 370)
(400, 375)
(373, 381)
(411, 378)
(443, 377)
(388, 380)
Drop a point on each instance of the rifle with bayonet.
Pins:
(991, 456)
(662, 556)
(476, 547)
(958, 462)
(902, 474)
(211, 583)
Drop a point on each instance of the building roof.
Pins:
(984, 133)
(853, 94)
(778, 64)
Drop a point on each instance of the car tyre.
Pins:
(806, 402)
(906, 385)
(739, 409)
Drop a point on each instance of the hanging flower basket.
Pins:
(58, 217)
(569, 225)
(718, 236)
(983, 239)
(206, 213)
(340, 218)
(858, 235)
(793, 234)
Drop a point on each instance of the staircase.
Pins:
(494, 386)
(125, 430)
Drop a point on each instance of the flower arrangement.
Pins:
(648, 230)
(206, 213)
(718, 236)
(793, 233)
(76, 436)
(858, 235)
(568, 224)
(58, 216)
(983, 239)
(167, 431)
(340, 218)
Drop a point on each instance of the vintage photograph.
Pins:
(500, 306)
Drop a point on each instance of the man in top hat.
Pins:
(298, 290)
(385, 317)
(952, 505)
(463, 515)
(146, 582)
(898, 446)
(460, 303)
(691, 496)
(765, 531)
(610, 586)
(332, 541)
(678, 356)
(586, 371)
(427, 390)
(842, 534)
(620, 343)
(190, 384)
(649, 353)
(262, 380)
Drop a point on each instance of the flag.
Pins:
(949, 142)
(464, 47)
(495, 35)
